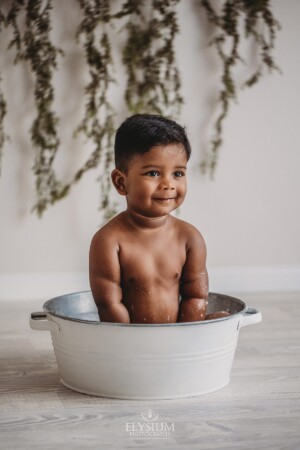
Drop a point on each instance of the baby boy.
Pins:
(144, 260)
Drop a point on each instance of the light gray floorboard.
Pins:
(259, 409)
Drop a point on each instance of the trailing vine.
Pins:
(3, 107)
(153, 83)
(256, 14)
(98, 122)
(36, 48)
(3, 111)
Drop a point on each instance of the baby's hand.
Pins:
(192, 310)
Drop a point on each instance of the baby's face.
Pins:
(155, 182)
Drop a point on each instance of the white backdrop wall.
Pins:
(249, 214)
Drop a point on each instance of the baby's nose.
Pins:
(167, 184)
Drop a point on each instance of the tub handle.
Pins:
(39, 321)
(250, 317)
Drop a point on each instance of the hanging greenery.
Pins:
(260, 24)
(153, 80)
(35, 47)
(98, 122)
(3, 109)
(153, 83)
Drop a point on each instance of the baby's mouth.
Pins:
(162, 199)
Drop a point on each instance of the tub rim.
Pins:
(146, 325)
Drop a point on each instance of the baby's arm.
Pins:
(194, 280)
(105, 279)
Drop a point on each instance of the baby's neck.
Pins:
(144, 222)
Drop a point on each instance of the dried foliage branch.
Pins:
(35, 47)
(3, 111)
(98, 122)
(260, 24)
(3, 107)
(153, 83)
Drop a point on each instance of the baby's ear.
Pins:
(118, 179)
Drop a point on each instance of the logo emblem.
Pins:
(149, 425)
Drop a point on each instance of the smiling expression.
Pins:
(154, 182)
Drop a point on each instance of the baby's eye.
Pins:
(153, 173)
(179, 174)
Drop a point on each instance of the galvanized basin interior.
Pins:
(80, 307)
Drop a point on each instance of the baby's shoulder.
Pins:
(108, 234)
(188, 232)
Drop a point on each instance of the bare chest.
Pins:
(151, 260)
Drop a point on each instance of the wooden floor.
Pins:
(259, 409)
